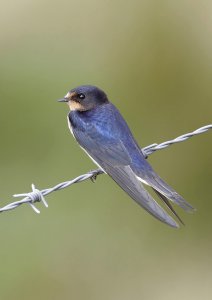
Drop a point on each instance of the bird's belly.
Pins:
(70, 127)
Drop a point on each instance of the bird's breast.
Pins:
(95, 123)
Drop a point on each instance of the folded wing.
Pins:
(116, 162)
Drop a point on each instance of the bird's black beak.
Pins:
(63, 100)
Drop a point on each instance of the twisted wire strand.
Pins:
(38, 195)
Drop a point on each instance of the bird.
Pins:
(102, 132)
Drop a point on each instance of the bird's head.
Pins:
(85, 97)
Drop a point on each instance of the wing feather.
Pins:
(154, 180)
(115, 161)
(126, 179)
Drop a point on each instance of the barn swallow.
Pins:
(103, 134)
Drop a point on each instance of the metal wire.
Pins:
(38, 196)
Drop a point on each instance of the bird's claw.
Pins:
(93, 178)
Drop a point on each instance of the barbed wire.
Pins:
(38, 195)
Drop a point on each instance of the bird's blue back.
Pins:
(106, 126)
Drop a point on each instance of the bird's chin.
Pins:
(73, 105)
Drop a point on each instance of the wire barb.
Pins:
(38, 196)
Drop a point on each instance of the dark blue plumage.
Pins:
(102, 132)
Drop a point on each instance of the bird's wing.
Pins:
(151, 178)
(115, 160)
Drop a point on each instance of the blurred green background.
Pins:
(154, 60)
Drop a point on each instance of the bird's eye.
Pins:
(81, 96)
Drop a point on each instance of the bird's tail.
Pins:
(166, 192)
(168, 204)
(126, 179)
